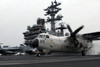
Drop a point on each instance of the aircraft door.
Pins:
(47, 41)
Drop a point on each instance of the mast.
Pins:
(51, 11)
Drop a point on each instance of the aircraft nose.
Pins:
(35, 43)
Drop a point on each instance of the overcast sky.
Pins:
(16, 15)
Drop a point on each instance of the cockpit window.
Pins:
(47, 36)
(41, 36)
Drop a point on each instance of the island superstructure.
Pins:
(32, 32)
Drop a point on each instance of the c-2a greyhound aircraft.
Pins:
(73, 43)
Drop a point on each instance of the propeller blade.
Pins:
(69, 29)
(77, 30)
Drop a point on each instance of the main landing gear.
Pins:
(39, 53)
(83, 53)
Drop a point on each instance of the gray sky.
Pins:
(16, 15)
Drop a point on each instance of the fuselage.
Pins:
(55, 43)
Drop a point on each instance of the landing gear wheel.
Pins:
(83, 53)
(38, 55)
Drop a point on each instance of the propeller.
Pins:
(73, 34)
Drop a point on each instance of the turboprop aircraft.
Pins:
(73, 43)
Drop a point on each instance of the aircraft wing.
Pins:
(92, 36)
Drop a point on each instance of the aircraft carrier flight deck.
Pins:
(54, 61)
